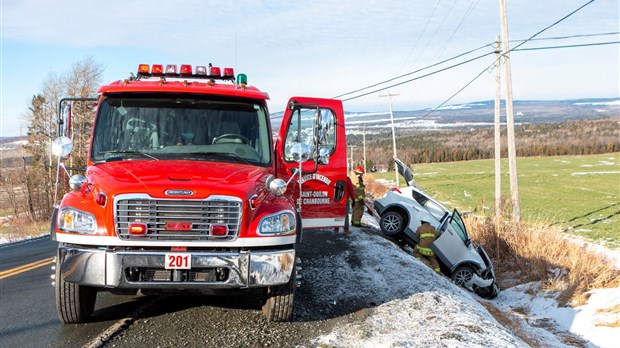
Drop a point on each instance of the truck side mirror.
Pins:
(64, 120)
(300, 152)
(62, 146)
(324, 120)
(324, 155)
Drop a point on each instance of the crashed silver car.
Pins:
(467, 263)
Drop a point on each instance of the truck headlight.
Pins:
(73, 220)
(277, 224)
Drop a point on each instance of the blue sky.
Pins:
(310, 48)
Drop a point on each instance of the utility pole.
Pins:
(390, 95)
(498, 142)
(512, 153)
(364, 144)
(351, 147)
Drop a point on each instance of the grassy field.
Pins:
(579, 193)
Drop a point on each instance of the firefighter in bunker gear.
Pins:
(426, 234)
(359, 193)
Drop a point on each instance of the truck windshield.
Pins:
(181, 127)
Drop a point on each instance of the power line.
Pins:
(531, 38)
(570, 36)
(487, 45)
(419, 37)
(455, 94)
(567, 46)
(416, 78)
(470, 60)
(553, 24)
(513, 49)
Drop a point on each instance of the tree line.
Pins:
(582, 137)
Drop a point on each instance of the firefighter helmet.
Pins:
(359, 170)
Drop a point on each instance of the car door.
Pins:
(321, 192)
(450, 246)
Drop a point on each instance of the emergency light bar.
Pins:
(186, 71)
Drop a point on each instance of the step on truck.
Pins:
(187, 190)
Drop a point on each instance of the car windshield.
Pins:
(456, 221)
(182, 127)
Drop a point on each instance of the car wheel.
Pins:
(489, 292)
(392, 223)
(462, 275)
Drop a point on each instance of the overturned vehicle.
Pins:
(401, 211)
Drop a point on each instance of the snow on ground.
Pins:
(542, 318)
(416, 307)
(420, 308)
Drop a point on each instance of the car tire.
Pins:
(462, 275)
(278, 306)
(74, 303)
(392, 223)
(489, 292)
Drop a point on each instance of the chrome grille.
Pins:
(164, 217)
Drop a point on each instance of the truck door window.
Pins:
(307, 117)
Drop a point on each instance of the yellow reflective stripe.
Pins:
(424, 251)
(427, 235)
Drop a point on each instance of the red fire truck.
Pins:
(184, 189)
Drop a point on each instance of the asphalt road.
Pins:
(27, 306)
(28, 313)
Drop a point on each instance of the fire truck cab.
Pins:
(186, 189)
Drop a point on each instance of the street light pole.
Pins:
(390, 95)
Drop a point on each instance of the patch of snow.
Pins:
(593, 173)
(541, 315)
(609, 103)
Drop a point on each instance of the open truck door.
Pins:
(320, 191)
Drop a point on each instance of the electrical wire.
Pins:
(570, 36)
(420, 77)
(567, 46)
(522, 42)
(413, 72)
(513, 49)
(419, 37)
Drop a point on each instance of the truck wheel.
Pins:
(462, 275)
(278, 305)
(74, 303)
(392, 223)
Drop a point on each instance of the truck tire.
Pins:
(278, 305)
(74, 303)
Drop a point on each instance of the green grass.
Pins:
(581, 194)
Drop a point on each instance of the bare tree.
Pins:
(81, 80)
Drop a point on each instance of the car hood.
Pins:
(201, 178)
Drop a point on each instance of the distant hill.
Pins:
(477, 114)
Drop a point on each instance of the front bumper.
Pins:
(145, 269)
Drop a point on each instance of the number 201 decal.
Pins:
(178, 261)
